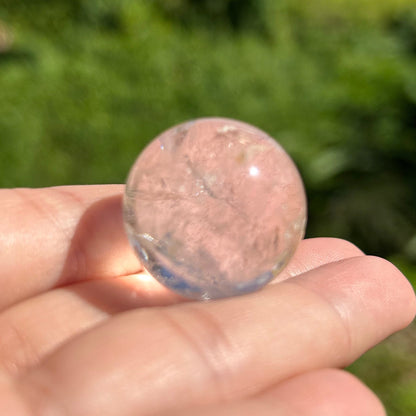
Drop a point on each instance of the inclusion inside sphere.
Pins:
(214, 208)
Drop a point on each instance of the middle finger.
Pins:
(199, 353)
(34, 328)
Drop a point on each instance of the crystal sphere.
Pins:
(214, 208)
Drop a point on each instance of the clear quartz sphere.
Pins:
(214, 208)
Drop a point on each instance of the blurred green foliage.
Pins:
(390, 370)
(85, 84)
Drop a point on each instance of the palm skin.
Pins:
(85, 332)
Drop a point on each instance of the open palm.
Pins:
(84, 333)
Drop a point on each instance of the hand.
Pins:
(84, 333)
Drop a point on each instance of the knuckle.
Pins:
(16, 351)
(206, 339)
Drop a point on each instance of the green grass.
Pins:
(389, 369)
(86, 84)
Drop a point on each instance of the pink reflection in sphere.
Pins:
(214, 208)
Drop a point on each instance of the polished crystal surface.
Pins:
(214, 208)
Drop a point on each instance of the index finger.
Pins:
(54, 236)
(57, 236)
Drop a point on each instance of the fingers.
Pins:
(54, 236)
(73, 309)
(32, 329)
(326, 392)
(196, 354)
(315, 252)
